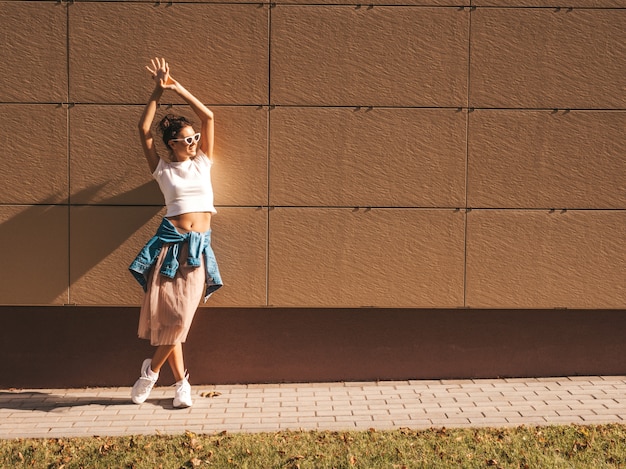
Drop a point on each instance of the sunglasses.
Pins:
(188, 140)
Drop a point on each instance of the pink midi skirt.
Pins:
(170, 304)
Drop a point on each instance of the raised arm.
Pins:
(145, 132)
(160, 73)
(204, 114)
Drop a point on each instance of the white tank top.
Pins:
(186, 185)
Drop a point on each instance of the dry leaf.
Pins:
(210, 394)
(195, 462)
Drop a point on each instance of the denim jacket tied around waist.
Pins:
(199, 245)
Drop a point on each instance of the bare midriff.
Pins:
(192, 221)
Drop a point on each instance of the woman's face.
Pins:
(185, 144)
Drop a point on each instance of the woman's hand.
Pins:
(160, 71)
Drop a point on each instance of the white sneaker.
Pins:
(182, 397)
(143, 386)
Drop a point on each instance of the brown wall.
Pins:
(58, 347)
(410, 154)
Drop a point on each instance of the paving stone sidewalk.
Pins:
(54, 413)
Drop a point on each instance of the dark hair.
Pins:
(170, 125)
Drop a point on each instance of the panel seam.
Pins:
(267, 152)
(67, 154)
(467, 137)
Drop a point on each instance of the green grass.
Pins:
(601, 446)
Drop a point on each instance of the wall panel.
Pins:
(382, 56)
(104, 240)
(379, 157)
(379, 257)
(33, 162)
(222, 61)
(240, 171)
(34, 255)
(449, 3)
(239, 239)
(34, 52)
(548, 58)
(546, 159)
(542, 259)
(99, 264)
(552, 3)
(108, 166)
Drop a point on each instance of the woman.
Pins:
(177, 266)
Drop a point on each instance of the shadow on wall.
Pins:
(48, 247)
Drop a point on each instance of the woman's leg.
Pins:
(160, 356)
(177, 362)
(150, 374)
(173, 354)
(182, 398)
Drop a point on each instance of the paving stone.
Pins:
(602, 419)
(317, 406)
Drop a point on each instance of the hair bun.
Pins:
(170, 125)
(166, 122)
